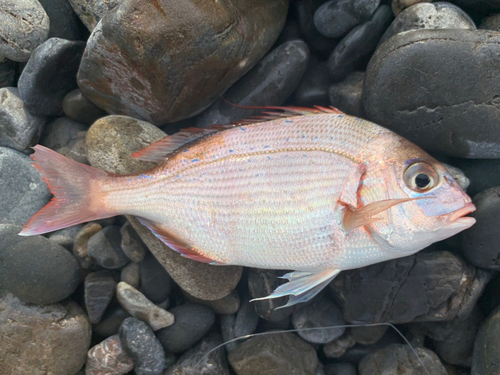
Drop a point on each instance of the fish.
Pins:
(312, 191)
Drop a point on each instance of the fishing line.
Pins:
(314, 329)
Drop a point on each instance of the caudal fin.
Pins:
(76, 190)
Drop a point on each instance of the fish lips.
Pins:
(457, 219)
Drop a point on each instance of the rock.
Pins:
(132, 245)
(338, 347)
(399, 5)
(433, 118)
(54, 338)
(49, 75)
(227, 330)
(131, 275)
(485, 359)
(269, 83)
(140, 343)
(81, 242)
(66, 137)
(246, 320)
(491, 23)
(313, 88)
(229, 304)
(346, 95)
(358, 45)
(34, 269)
(64, 22)
(458, 175)
(8, 73)
(320, 312)
(336, 18)
(91, 12)
(100, 288)
(341, 368)
(274, 354)
(440, 15)
(25, 25)
(229, 38)
(104, 248)
(195, 362)
(79, 108)
(482, 173)
(139, 306)
(65, 237)
(156, 283)
(108, 358)
(427, 286)
(110, 322)
(192, 322)
(368, 335)
(399, 359)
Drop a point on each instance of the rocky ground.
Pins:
(97, 80)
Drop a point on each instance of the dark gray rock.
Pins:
(247, 319)
(482, 173)
(110, 322)
(269, 83)
(132, 245)
(34, 269)
(8, 73)
(320, 312)
(91, 12)
(100, 288)
(346, 95)
(49, 75)
(342, 368)
(359, 44)
(490, 298)
(439, 117)
(313, 88)
(156, 283)
(140, 343)
(19, 128)
(229, 304)
(66, 137)
(64, 22)
(131, 275)
(65, 237)
(78, 107)
(368, 335)
(491, 23)
(227, 330)
(337, 348)
(485, 359)
(192, 322)
(104, 248)
(336, 18)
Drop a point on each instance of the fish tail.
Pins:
(77, 190)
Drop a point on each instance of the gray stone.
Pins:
(8, 73)
(91, 11)
(25, 25)
(79, 108)
(19, 128)
(229, 304)
(368, 335)
(81, 241)
(313, 88)
(99, 289)
(110, 322)
(346, 95)
(108, 358)
(227, 330)
(342, 368)
(156, 283)
(132, 245)
(438, 118)
(399, 5)
(491, 23)
(104, 248)
(485, 359)
(131, 275)
(247, 319)
(49, 75)
(64, 22)
(66, 137)
(66, 237)
(337, 348)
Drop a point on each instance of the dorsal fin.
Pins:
(288, 112)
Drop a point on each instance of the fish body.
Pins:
(316, 193)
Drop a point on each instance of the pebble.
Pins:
(336, 18)
(282, 353)
(77, 107)
(104, 248)
(227, 330)
(313, 88)
(368, 335)
(432, 118)
(64, 22)
(140, 343)
(91, 12)
(53, 337)
(341, 368)
(192, 322)
(269, 83)
(8, 73)
(215, 47)
(108, 358)
(132, 245)
(25, 25)
(100, 288)
(491, 23)
(346, 95)
(440, 15)
(485, 359)
(34, 269)
(247, 319)
(49, 75)
(156, 283)
(110, 322)
(65, 237)
(400, 5)
(131, 275)
(81, 242)
(139, 306)
(337, 348)
(320, 312)
(229, 304)
(67, 137)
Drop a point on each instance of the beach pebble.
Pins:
(49, 75)
(341, 368)
(156, 283)
(140, 343)
(65, 237)
(19, 128)
(110, 322)
(227, 330)
(8, 73)
(80, 250)
(247, 319)
(485, 360)
(34, 269)
(399, 5)
(104, 248)
(229, 304)
(263, 354)
(337, 348)
(368, 335)
(54, 337)
(25, 25)
(64, 22)
(346, 95)
(131, 244)
(313, 88)
(433, 118)
(160, 67)
(100, 288)
(78, 107)
(131, 275)
(139, 306)
(91, 12)
(108, 358)
(67, 137)
(192, 322)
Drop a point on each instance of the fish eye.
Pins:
(421, 177)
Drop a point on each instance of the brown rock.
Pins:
(108, 358)
(81, 240)
(179, 56)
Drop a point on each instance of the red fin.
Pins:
(173, 242)
(71, 183)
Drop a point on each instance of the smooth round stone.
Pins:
(368, 335)
(227, 330)
(104, 248)
(192, 322)
(321, 312)
(230, 304)
(131, 275)
(337, 348)
(156, 283)
(399, 5)
(247, 319)
(485, 359)
(64, 22)
(67, 137)
(79, 108)
(100, 288)
(397, 359)
(313, 88)
(342, 368)
(440, 15)
(163, 82)
(132, 245)
(110, 322)
(108, 358)
(19, 128)
(358, 44)
(65, 237)
(8, 73)
(434, 118)
(81, 241)
(54, 337)
(49, 75)
(491, 23)
(139, 306)
(336, 18)
(346, 95)
(269, 83)
(263, 354)
(91, 12)
(140, 343)
(25, 25)
(34, 269)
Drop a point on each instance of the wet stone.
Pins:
(65, 237)
(110, 322)
(230, 304)
(156, 283)
(313, 88)
(108, 358)
(227, 330)
(64, 22)
(247, 319)
(368, 335)
(399, 5)
(8, 73)
(132, 245)
(104, 248)
(346, 95)
(342, 368)
(67, 137)
(485, 360)
(192, 322)
(49, 75)
(131, 275)
(100, 288)
(81, 241)
(79, 108)
(91, 12)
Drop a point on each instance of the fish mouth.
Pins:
(458, 216)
